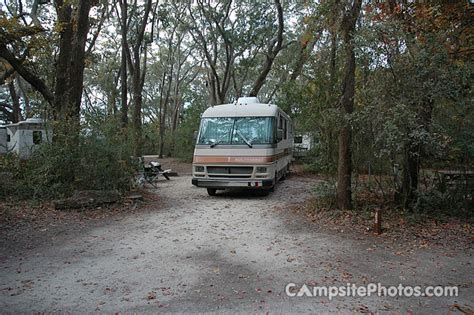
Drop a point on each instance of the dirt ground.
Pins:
(184, 251)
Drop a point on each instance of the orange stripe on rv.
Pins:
(237, 159)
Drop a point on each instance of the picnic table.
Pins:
(458, 180)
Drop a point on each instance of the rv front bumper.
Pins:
(232, 183)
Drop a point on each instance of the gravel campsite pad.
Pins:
(185, 251)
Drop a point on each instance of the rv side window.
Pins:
(37, 137)
(285, 130)
(8, 138)
(298, 139)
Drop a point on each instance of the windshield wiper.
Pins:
(215, 143)
(245, 140)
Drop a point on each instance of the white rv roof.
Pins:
(244, 107)
(27, 121)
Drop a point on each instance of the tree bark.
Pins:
(305, 52)
(123, 65)
(137, 88)
(138, 75)
(166, 80)
(36, 82)
(331, 154)
(70, 64)
(15, 102)
(344, 169)
(64, 13)
(77, 64)
(412, 158)
(26, 99)
(410, 175)
(163, 112)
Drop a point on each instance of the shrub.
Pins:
(437, 202)
(56, 170)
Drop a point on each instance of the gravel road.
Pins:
(189, 252)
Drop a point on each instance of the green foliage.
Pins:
(401, 106)
(325, 193)
(413, 97)
(184, 137)
(312, 110)
(10, 171)
(436, 202)
(56, 170)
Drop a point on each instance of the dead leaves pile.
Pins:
(396, 225)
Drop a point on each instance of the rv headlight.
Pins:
(261, 169)
(199, 168)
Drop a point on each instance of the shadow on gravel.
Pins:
(224, 284)
(241, 193)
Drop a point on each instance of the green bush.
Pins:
(325, 192)
(436, 202)
(56, 170)
(9, 172)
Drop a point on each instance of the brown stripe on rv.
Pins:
(238, 159)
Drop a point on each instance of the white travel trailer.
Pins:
(3, 140)
(242, 145)
(22, 137)
(303, 144)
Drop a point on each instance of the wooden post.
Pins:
(378, 221)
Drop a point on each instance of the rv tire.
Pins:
(211, 191)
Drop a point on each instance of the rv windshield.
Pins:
(236, 130)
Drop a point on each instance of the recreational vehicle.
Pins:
(23, 137)
(246, 144)
(303, 144)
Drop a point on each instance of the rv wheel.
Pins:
(211, 191)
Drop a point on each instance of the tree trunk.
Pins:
(331, 152)
(410, 175)
(344, 169)
(64, 12)
(112, 100)
(77, 64)
(70, 66)
(164, 113)
(138, 77)
(176, 104)
(211, 85)
(162, 142)
(123, 66)
(175, 120)
(15, 102)
(26, 99)
(137, 105)
(412, 158)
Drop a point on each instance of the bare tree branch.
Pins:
(272, 52)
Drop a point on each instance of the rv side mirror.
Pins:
(279, 135)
